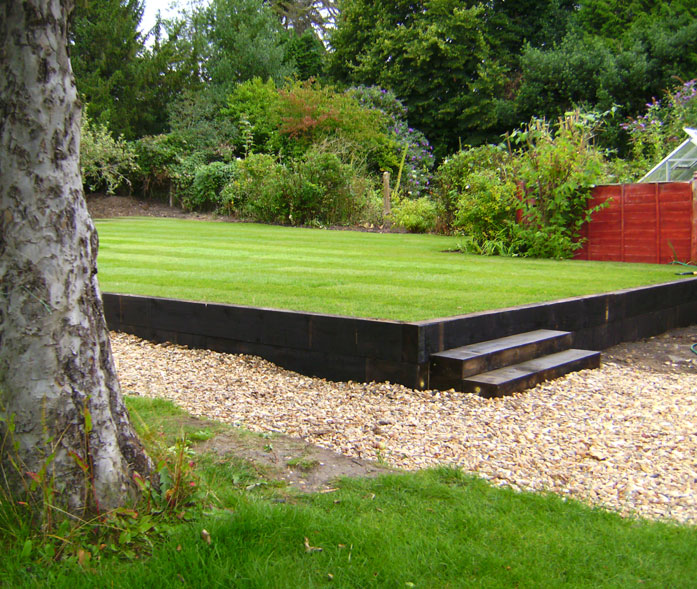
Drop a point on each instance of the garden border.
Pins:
(348, 348)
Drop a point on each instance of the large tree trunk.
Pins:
(57, 379)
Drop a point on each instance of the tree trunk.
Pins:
(58, 384)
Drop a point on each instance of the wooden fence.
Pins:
(650, 223)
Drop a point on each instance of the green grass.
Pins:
(388, 276)
(436, 528)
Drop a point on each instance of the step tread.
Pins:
(525, 369)
(498, 345)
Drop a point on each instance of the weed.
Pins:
(302, 463)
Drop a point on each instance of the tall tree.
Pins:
(614, 53)
(303, 15)
(431, 53)
(61, 411)
(106, 51)
(243, 41)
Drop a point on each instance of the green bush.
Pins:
(105, 163)
(255, 103)
(415, 215)
(183, 173)
(327, 190)
(208, 183)
(558, 168)
(475, 191)
(316, 189)
(157, 157)
(289, 121)
(486, 205)
(255, 192)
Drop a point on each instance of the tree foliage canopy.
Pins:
(431, 53)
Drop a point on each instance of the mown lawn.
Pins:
(387, 276)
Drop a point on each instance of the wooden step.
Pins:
(450, 367)
(518, 377)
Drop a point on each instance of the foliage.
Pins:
(257, 103)
(156, 155)
(196, 121)
(208, 183)
(243, 41)
(612, 54)
(529, 199)
(409, 142)
(311, 113)
(308, 54)
(557, 169)
(289, 121)
(475, 189)
(432, 54)
(659, 130)
(183, 173)
(126, 81)
(316, 189)
(126, 532)
(105, 53)
(105, 163)
(254, 192)
(415, 215)
(305, 16)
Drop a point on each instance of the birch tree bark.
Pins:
(58, 385)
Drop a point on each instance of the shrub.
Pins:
(183, 174)
(105, 163)
(545, 178)
(416, 173)
(208, 183)
(486, 205)
(255, 191)
(415, 215)
(255, 103)
(325, 190)
(557, 168)
(316, 189)
(475, 191)
(196, 121)
(157, 156)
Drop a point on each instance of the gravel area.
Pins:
(623, 436)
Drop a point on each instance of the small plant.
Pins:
(302, 463)
(416, 216)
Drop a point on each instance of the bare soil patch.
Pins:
(102, 206)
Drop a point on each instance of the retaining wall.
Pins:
(345, 348)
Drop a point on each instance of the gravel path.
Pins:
(623, 436)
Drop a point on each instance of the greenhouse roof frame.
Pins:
(678, 166)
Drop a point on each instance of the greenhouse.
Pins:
(680, 165)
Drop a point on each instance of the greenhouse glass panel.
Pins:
(680, 165)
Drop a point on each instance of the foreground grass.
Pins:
(437, 528)
(388, 276)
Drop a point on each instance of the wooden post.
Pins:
(693, 242)
(386, 199)
(657, 221)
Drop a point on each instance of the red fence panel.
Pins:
(651, 223)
